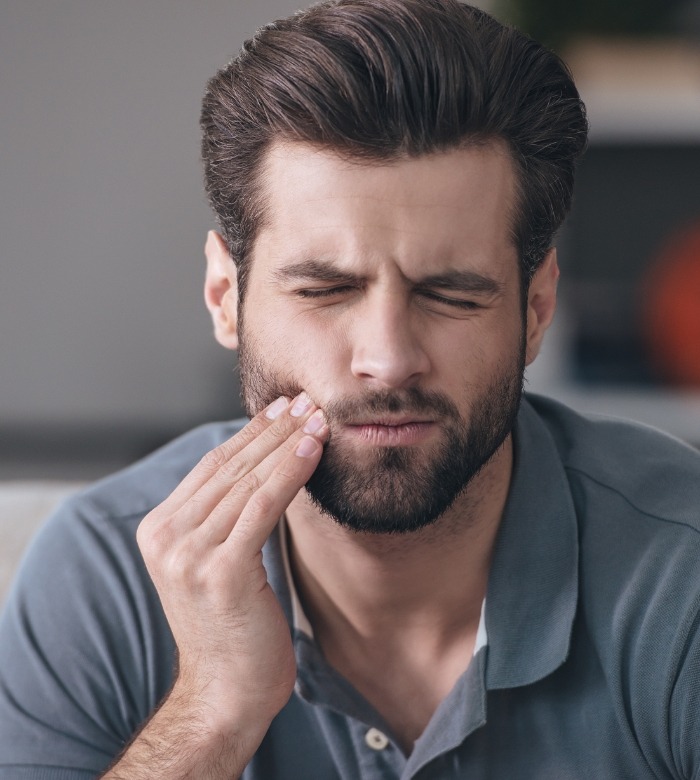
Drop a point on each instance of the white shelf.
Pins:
(675, 411)
(643, 91)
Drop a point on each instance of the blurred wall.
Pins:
(102, 212)
(103, 330)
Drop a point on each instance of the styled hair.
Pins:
(382, 80)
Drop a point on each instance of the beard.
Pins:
(395, 490)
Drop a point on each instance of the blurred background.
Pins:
(627, 335)
(105, 344)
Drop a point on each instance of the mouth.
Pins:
(391, 432)
(390, 420)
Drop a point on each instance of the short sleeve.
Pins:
(684, 715)
(85, 650)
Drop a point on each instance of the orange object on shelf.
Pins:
(671, 309)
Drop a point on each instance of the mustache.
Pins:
(410, 400)
(341, 410)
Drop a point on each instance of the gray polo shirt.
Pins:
(591, 668)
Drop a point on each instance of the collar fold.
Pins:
(532, 593)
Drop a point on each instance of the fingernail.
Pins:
(315, 422)
(307, 447)
(302, 403)
(275, 409)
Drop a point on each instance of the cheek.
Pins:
(478, 343)
(483, 352)
(311, 349)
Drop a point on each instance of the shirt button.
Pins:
(376, 739)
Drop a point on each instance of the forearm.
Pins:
(203, 549)
(184, 742)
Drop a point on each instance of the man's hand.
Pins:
(203, 549)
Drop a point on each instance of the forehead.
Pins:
(452, 204)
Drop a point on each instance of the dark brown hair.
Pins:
(385, 79)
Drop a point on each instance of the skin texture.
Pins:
(390, 334)
(202, 548)
(399, 486)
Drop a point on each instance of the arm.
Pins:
(203, 549)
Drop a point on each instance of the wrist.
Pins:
(185, 738)
(218, 715)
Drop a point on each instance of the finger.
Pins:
(219, 456)
(230, 473)
(231, 460)
(269, 502)
(224, 516)
(198, 507)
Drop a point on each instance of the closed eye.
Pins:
(323, 292)
(328, 292)
(455, 302)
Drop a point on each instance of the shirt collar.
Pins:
(532, 593)
(299, 620)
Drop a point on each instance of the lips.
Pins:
(391, 432)
(390, 421)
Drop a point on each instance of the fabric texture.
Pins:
(591, 670)
(24, 506)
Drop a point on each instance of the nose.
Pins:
(388, 349)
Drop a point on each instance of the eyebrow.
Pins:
(454, 280)
(314, 270)
(464, 281)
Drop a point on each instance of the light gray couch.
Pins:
(24, 505)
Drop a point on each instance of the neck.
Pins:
(380, 588)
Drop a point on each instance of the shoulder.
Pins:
(83, 638)
(98, 524)
(636, 493)
(95, 528)
(84, 565)
(653, 473)
(143, 485)
(89, 542)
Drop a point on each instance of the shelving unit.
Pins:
(643, 101)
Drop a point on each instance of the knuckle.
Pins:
(185, 568)
(286, 471)
(151, 536)
(261, 503)
(220, 456)
(157, 536)
(286, 425)
(244, 487)
(234, 470)
(280, 430)
(145, 545)
(176, 565)
(250, 483)
(225, 468)
(215, 459)
(143, 533)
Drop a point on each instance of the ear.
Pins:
(541, 303)
(221, 290)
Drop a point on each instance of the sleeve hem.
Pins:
(17, 772)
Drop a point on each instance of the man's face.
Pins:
(391, 294)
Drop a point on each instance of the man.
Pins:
(398, 568)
